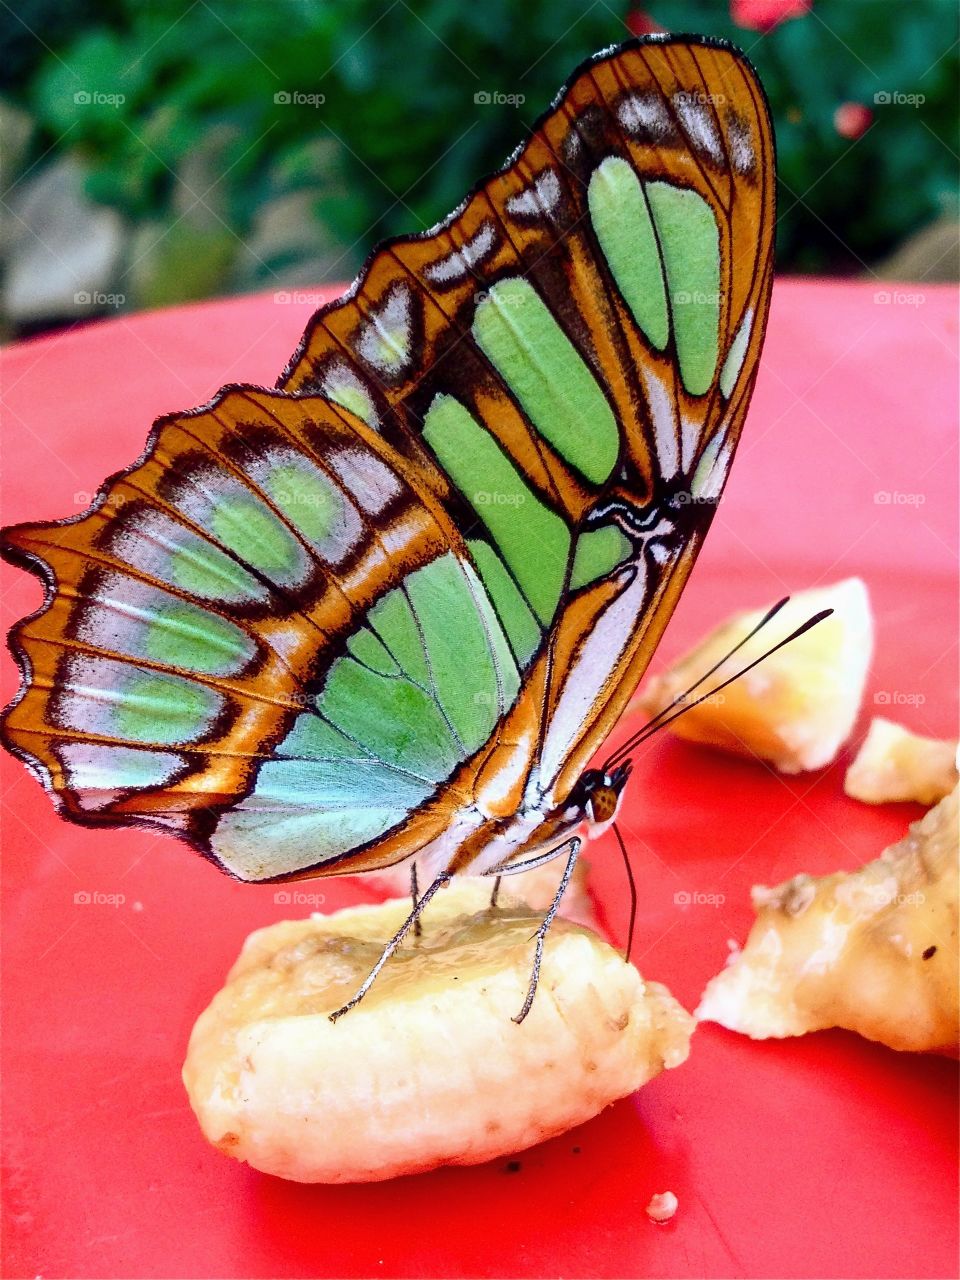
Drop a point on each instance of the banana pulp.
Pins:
(873, 950)
(428, 1069)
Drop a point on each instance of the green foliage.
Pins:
(398, 136)
(845, 202)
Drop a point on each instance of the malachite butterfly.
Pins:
(394, 607)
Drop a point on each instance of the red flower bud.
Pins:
(764, 15)
(851, 119)
(641, 24)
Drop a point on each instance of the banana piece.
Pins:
(895, 764)
(874, 950)
(799, 706)
(428, 1069)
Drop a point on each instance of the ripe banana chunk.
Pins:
(428, 1069)
(895, 764)
(874, 950)
(799, 706)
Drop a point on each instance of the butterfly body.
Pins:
(390, 610)
(540, 826)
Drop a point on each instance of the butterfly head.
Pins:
(597, 795)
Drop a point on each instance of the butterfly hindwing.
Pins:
(264, 619)
(408, 593)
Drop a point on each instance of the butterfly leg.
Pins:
(517, 868)
(391, 946)
(415, 896)
(575, 845)
(496, 892)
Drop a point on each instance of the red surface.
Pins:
(825, 1156)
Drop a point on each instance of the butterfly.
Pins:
(391, 609)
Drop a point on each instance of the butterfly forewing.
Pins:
(594, 312)
(403, 599)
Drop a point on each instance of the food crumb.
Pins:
(662, 1206)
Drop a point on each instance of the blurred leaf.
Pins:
(179, 262)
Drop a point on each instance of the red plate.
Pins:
(824, 1156)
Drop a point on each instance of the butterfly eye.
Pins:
(603, 803)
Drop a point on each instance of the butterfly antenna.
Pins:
(665, 717)
(681, 697)
(633, 892)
